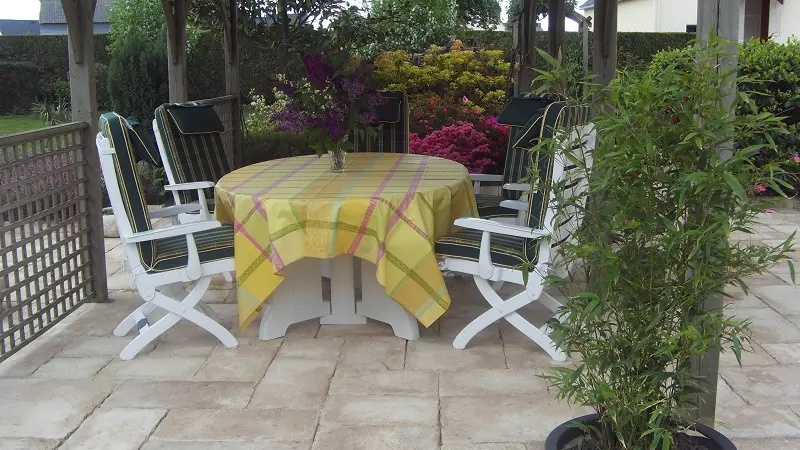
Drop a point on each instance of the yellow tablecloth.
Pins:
(385, 208)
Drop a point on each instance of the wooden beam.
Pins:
(176, 12)
(720, 17)
(232, 65)
(556, 17)
(604, 62)
(83, 93)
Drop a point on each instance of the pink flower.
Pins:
(476, 110)
(761, 187)
(464, 99)
(796, 158)
(769, 211)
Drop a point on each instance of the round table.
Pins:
(387, 209)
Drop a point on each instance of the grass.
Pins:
(18, 124)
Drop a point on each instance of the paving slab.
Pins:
(438, 354)
(769, 327)
(758, 422)
(785, 299)
(767, 385)
(528, 355)
(181, 394)
(49, 409)
(267, 426)
(156, 444)
(72, 368)
(371, 328)
(354, 437)
(28, 444)
(311, 348)
(520, 418)
(380, 410)
(376, 353)
(100, 346)
(153, 368)
(28, 359)
(752, 355)
(294, 383)
(766, 444)
(464, 383)
(387, 382)
(490, 446)
(247, 362)
(115, 429)
(784, 353)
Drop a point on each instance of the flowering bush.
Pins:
(480, 148)
(260, 117)
(336, 95)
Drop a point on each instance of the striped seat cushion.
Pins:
(489, 207)
(192, 137)
(507, 251)
(392, 134)
(212, 245)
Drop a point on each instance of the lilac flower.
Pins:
(374, 100)
(368, 118)
(353, 87)
(291, 120)
(316, 70)
(286, 89)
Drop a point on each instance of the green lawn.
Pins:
(18, 124)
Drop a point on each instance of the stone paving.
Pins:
(354, 387)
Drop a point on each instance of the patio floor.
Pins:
(353, 387)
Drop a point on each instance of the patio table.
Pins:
(387, 209)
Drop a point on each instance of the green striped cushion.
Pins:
(506, 251)
(113, 127)
(517, 114)
(194, 155)
(489, 207)
(392, 134)
(212, 245)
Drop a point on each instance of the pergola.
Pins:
(78, 138)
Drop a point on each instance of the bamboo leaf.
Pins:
(734, 185)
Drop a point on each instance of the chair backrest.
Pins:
(116, 144)
(189, 137)
(520, 113)
(392, 135)
(551, 170)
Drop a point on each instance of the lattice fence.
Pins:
(45, 261)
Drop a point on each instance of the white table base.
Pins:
(299, 298)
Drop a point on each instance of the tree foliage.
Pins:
(414, 25)
(515, 8)
(478, 13)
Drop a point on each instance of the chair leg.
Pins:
(129, 322)
(506, 309)
(228, 277)
(177, 310)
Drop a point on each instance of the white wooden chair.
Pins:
(161, 260)
(495, 252)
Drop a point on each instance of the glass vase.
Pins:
(337, 157)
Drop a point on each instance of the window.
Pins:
(691, 28)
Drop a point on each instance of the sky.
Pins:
(29, 9)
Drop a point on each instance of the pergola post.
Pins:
(82, 87)
(556, 16)
(176, 12)
(232, 86)
(721, 16)
(604, 61)
(526, 46)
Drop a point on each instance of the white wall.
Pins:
(784, 20)
(654, 15)
(632, 15)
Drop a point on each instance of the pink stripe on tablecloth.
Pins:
(285, 177)
(248, 179)
(372, 202)
(412, 189)
(238, 227)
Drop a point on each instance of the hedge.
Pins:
(20, 84)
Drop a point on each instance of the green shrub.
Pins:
(101, 81)
(258, 147)
(20, 82)
(481, 76)
(137, 78)
(53, 90)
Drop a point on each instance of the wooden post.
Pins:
(604, 62)
(556, 16)
(526, 46)
(721, 16)
(83, 93)
(232, 87)
(176, 11)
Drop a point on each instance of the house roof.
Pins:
(587, 4)
(52, 13)
(9, 27)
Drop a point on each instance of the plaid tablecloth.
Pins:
(385, 208)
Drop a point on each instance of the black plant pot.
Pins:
(564, 434)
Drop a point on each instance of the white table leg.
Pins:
(376, 305)
(343, 296)
(297, 299)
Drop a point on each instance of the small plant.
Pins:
(52, 113)
(663, 203)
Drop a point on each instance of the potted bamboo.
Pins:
(663, 201)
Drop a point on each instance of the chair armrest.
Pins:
(175, 230)
(517, 187)
(500, 228)
(170, 211)
(485, 177)
(189, 186)
(516, 205)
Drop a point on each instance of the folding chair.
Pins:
(523, 112)
(492, 251)
(161, 260)
(392, 134)
(189, 137)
